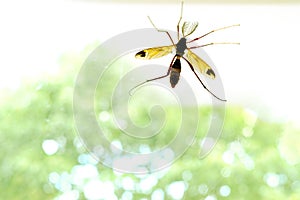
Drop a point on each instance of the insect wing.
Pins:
(200, 64)
(155, 52)
(188, 28)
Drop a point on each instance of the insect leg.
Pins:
(153, 79)
(212, 32)
(212, 43)
(192, 68)
(179, 20)
(159, 30)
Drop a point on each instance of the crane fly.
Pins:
(182, 51)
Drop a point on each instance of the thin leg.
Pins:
(179, 20)
(212, 43)
(153, 79)
(192, 68)
(159, 30)
(212, 32)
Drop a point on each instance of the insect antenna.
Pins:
(213, 32)
(192, 68)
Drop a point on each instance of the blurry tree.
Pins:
(42, 157)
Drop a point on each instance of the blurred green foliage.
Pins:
(254, 159)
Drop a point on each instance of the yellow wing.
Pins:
(200, 65)
(155, 52)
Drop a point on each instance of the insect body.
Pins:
(176, 67)
(175, 71)
(182, 51)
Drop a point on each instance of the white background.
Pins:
(261, 74)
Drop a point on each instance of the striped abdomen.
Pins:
(175, 72)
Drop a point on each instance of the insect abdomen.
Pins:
(174, 78)
(175, 72)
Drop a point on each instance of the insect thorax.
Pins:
(181, 46)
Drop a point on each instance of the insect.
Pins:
(182, 51)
